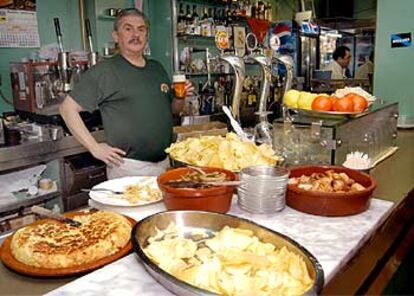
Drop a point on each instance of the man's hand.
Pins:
(189, 89)
(112, 156)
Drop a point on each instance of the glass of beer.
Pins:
(179, 85)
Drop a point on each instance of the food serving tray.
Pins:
(189, 222)
(8, 259)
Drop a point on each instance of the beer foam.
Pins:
(179, 78)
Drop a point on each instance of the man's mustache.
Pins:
(134, 40)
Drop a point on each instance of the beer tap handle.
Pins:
(89, 34)
(58, 34)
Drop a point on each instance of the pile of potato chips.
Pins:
(233, 262)
(228, 152)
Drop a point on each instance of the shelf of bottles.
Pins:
(204, 18)
(197, 24)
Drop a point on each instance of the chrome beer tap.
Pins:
(237, 64)
(287, 61)
(93, 55)
(263, 130)
(64, 66)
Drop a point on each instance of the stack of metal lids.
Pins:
(263, 189)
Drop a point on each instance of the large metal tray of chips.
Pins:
(190, 222)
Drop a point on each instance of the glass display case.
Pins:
(328, 139)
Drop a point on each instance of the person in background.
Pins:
(134, 96)
(339, 64)
(366, 69)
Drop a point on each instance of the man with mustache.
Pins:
(134, 97)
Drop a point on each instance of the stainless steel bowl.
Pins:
(189, 221)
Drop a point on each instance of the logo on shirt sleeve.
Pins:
(164, 87)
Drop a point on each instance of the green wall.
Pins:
(102, 26)
(159, 15)
(394, 67)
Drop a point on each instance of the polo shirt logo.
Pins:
(164, 87)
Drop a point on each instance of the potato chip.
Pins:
(228, 152)
(233, 262)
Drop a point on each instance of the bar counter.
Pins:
(370, 267)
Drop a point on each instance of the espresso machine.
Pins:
(39, 87)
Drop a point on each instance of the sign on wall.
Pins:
(400, 40)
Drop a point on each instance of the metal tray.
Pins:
(190, 221)
(328, 114)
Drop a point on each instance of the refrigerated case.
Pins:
(302, 43)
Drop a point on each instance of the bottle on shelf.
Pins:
(261, 10)
(189, 20)
(181, 20)
(195, 21)
(206, 26)
(268, 12)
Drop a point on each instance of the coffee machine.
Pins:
(38, 87)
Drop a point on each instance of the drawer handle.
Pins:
(100, 175)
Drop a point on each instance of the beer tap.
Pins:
(264, 63)
(64, 68)
(93, 55)
(263, 130)
(58, 34)
(237, 64)
(287, 61)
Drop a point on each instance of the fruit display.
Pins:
(299, 99)
(349, 103)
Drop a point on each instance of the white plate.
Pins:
(119, 185)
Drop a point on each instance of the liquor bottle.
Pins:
(181, 20)
(261, 10)
(196, 21)
(189, 20)
(268, 12)
(253, 10)
(206, 23)
(215, 15)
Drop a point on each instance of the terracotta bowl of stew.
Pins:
(330, 203)
(213, 199)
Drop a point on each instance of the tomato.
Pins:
(344, 104)
(322, 103)
(360, 103)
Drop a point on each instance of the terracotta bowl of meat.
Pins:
(187, 189)
(329, 190)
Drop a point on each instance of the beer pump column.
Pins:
(265, 65)
(263, 129)
(237, 64)
(64, 67)
(287, 61)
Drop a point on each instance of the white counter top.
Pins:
(333, 241)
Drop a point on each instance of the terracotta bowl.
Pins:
(330, 204)
(215, 199)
